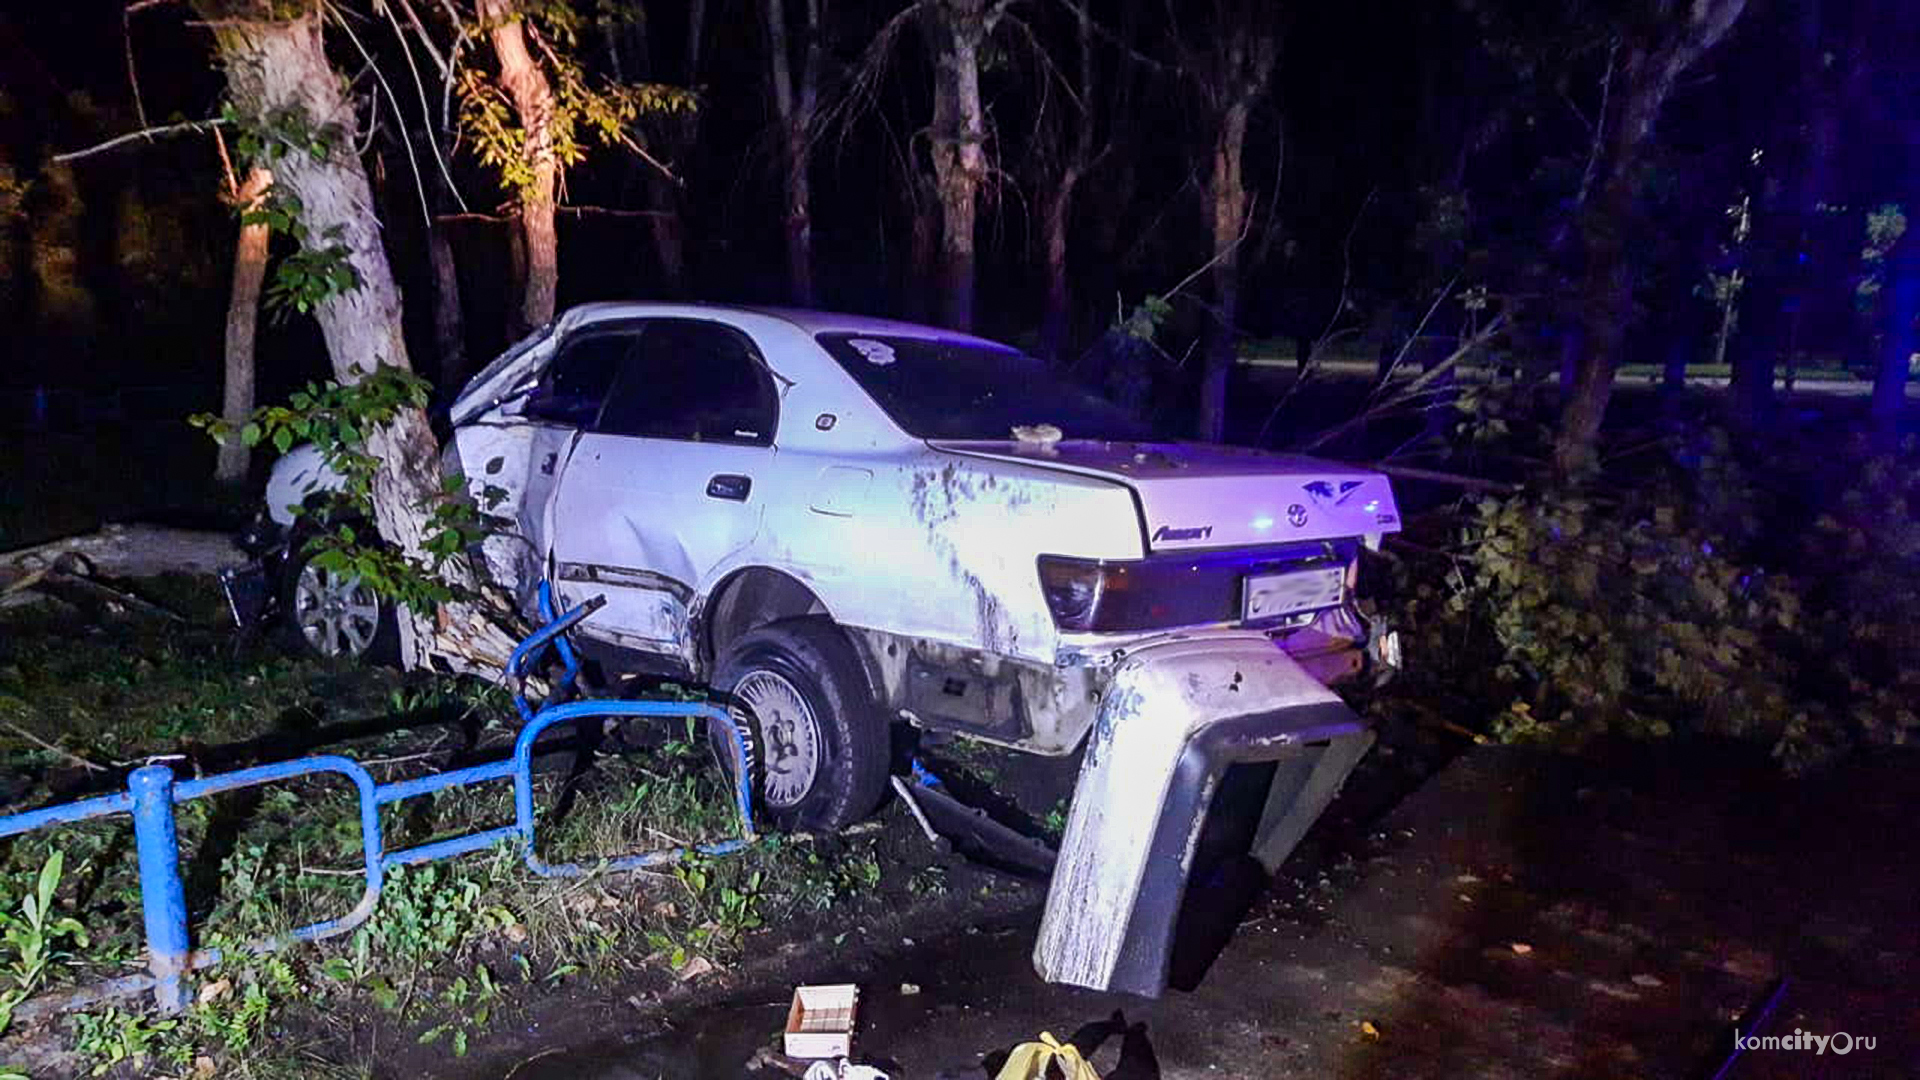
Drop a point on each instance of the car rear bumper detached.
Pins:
(1177, 713)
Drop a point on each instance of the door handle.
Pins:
(729, 486)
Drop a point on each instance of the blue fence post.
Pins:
(163, 900)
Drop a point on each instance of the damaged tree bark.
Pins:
(277, 67)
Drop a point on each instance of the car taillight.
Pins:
(1072, 588)
(1163, 591)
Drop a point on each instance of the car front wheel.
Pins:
(338, 615)
(820, 738)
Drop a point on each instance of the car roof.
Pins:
(806, 319)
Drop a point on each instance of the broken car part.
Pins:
(1176, 715)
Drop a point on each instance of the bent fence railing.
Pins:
(153, 791)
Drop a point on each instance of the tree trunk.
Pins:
(449, 327)
(516, 238)
(666, 195)
(279, 68)
(527, 86)
(1227, 203)
(1054, 320)
(1057, 214)
(667, 228)
(1900, 341)
(1646, 78)
(794, 101)
(243, 316)
(923, 250)
(959, 148)
(799, 220)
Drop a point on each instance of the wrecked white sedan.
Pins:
(843, 523)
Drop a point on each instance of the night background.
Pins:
(1623, 296)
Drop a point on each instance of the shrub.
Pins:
(1686, 598)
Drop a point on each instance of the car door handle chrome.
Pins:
(729, 486)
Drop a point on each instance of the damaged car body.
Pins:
(843, 524)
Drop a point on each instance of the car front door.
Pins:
(660, 491)
(514, 460)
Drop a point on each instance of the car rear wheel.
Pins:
(820, 740)
(339, 616)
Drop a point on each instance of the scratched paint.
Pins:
(929, 543)
(1161, 697)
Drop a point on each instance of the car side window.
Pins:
(576, 382)
(693, 380)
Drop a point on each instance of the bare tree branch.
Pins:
(1466, 348)
(420, 89)
(144, 134)
(400, 118)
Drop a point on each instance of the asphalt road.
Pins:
(1630, 377)
(1518, 916)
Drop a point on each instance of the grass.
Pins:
(86, 694)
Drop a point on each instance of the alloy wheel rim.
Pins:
(789, 735)
(338, 614)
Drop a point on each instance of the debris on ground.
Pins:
(1029, 1061)
(131, 551)
(820, 1021)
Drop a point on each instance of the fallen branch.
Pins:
(1413, 389)
(51, 748)
(129, 551)
(1471, 483)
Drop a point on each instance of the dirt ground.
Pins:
(1511, 915)
(1521, 915)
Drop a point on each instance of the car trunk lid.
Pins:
(1196, 495)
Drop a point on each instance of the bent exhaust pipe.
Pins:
(1176, 714)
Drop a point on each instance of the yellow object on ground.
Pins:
(1029, 1061)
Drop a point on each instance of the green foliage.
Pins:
(1623, 618)
(269, 138)
(1684, 599)
(110, 1037)
(338, 418)
(450, 945)
(583, 110)
(471, 1003)
(33, 939)
(316, 271)
(308, 277)
(1886, 224)
(1146, 318)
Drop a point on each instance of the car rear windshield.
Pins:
(962, 390)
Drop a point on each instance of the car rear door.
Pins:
(661, 491)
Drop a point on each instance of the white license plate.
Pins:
(1273, 596)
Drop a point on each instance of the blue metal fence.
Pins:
(153, 791)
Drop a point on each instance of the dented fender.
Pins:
(1177, 713)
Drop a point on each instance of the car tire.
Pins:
(820, 741)
(335, 617)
